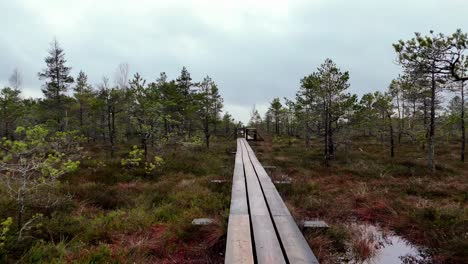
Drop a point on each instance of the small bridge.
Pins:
(261, 228)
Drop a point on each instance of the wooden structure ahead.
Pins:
(249, 133)
(261, 228)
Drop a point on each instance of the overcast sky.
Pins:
(255, 50)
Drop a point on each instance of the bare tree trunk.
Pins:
(392, 142)
(400, 116)
(206, 130)
(207, 139)
(111, 127)
(402, 121)
(463, 139)
(103, 127)
(276, 124)
(425, 123)
(81, 115)
(306, 128)
(327, 135)
(20, 208)
(331, 147)
(431, 140)
(113, 132)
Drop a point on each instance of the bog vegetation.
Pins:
(115, 172)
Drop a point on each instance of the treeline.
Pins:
(123, 110)
(413, 108)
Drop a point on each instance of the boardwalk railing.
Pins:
(261, 228)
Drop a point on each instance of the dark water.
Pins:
(388, 248)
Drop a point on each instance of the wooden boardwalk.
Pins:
(261, 228)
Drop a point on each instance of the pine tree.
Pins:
(275, 108)
(10, 110)
(83, 93)
(326, 90)
(186, 105)
(425, 56)
(209, 106)
(58, 79)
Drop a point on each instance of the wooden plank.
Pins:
(274, 200)
(239, 247)
(267, 245)
(238, 193)
(314, 224)
(296, 247)
(257, 202)
(202, 221)
(239, 244)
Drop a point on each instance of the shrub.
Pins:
(135, 161)
(4, 230)
(42, 252)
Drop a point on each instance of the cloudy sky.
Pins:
(255, 50)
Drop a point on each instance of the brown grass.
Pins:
(430, 210)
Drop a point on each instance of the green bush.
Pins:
(60, 226)
(42, 252)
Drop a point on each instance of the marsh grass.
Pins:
(121, 216)
(427, 209)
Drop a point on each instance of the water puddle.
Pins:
(372, 244)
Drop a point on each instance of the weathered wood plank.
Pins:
(238, 193)
(202, 221)
(267, 245)
(314, 224)
(296, 247)
(274, 200)
(266, 242)
(239, 244)
(257, 202)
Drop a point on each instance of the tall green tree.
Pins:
(10, 110)
(227, 123)
(307, 108)
(425, 56)
(383, 104)
(209, 106)
(58, 79)
(171, 100)
(328, 86)
(145, 110)
(275, 109)
(458, 43)
(83, 94)
(113, 102)
(186, 104)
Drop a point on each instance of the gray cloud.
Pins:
(254, 50)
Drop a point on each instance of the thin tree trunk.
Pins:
(431, 141)
(331, 147)
(392, 142)
(327, 135)
(402, 120)
(425, 123)
(463, 139)
(81, 115)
